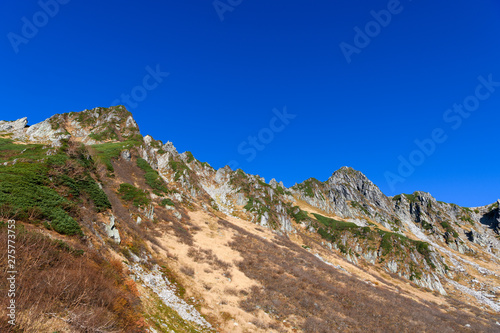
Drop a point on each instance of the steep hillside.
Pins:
(117, 232)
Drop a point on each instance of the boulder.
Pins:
(126, 155)
(112, 230)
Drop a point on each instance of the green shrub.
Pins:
(107, 134)
(410, 197)
(152, 177)
(426, 225)
(168, 202)
(448, 228)
(386, 244)
(63, 223)
(190, 157)
(9, 151)
(307, 186)
(248, 207)
(25, 194)
(134, 195)
(178, 168)
(106, 152)
(334, 224)
(300, 215)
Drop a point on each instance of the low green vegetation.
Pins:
(426, 225)
(205, 164)
(280, 190)
(248, 207)
(106, 152)
(256, 206)
(412, 198)
(467, 218)
(50, 190)
(387, 242)
(10, 151)
(86, 186)
(300, 215)
(167, 202)
(240, 180)
(108, 133)
(334, 224)
(152, 177)
(55, 124)
(190, 157)
(179, 168)
(307, 187)
(136, 196)
(448, 228)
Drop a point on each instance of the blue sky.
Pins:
(225, 78)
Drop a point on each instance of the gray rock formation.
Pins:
(497, 216)
(112, 230)
(125, 154)
(13, 126)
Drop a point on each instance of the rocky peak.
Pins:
(223, 174)
(13, 126)
(347, 176)
(347, 184)
(88, 126)
(169, 147)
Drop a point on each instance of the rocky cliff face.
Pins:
(13, 126)
(89, 127)
(430, 243)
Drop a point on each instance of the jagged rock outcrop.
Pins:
(112, 230)
(348, 194)
(88, 126)
(347, 184)
(497, 217)
(125, 154)
(13, 126)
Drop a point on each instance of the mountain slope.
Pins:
(189, 248)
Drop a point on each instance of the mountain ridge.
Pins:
(22, 123)
(429, 244)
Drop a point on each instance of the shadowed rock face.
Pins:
(347, 184)
(497, 218)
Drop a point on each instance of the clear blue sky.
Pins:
(226, 77)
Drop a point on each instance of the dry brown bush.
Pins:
(296, 283)
(189, 271)
(53, 281)
(231, 291)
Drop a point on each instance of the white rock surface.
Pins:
(166, 291)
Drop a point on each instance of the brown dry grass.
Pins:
(58, 287)
(295, 284)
